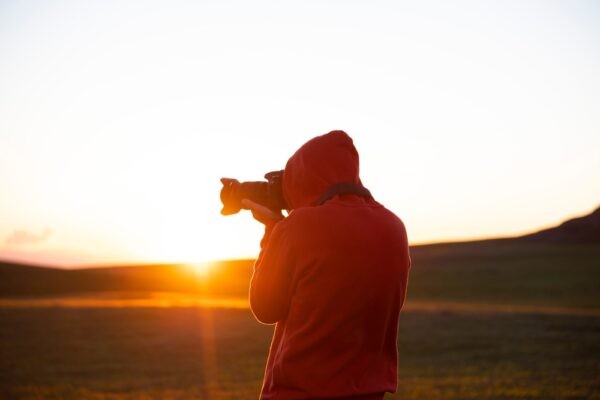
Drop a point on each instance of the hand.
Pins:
(261, 213)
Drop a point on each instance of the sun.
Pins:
(201, 270)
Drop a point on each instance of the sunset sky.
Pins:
(473, 119)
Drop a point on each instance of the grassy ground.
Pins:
(201, 353)
(507, 273)
(130, 353)
(460, 337)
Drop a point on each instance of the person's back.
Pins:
(333, 277)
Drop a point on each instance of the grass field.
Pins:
(507, 273)
(485, 321)
(203, 353)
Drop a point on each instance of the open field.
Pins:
(487, 320)
(204, 353)
(507, 272)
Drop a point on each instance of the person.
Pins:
(332, 276)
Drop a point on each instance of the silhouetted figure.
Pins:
(333, 277)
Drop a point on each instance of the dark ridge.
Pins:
(232, 277)
(581, 230)
(226, 278)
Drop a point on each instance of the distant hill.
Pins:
(226, 278)
(580, 230)
(575, 241)
(584, 229)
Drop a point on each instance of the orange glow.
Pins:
(201, 269)
(125, 300)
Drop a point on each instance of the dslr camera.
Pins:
(268, 194)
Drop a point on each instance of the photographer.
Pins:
(332, 276)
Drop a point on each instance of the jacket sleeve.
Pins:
(271, 284)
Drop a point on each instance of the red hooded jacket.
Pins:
(333, 277)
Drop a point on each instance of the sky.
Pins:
(473, 119)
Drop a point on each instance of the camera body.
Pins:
(268, 194)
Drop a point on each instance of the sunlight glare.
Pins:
(201, 269)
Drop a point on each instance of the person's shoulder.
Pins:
(390, 216)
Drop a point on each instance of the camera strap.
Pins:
(343, 188)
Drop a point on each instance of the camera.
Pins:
(268, 194)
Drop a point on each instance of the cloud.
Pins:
(22, 237)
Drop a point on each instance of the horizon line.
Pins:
(23, 259)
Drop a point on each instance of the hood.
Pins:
(320, 163)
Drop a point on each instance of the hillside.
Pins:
(579, 230)
(558, 266)
(224, 278)
(584, 229)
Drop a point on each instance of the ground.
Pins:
(482, 321)
(203, 353)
